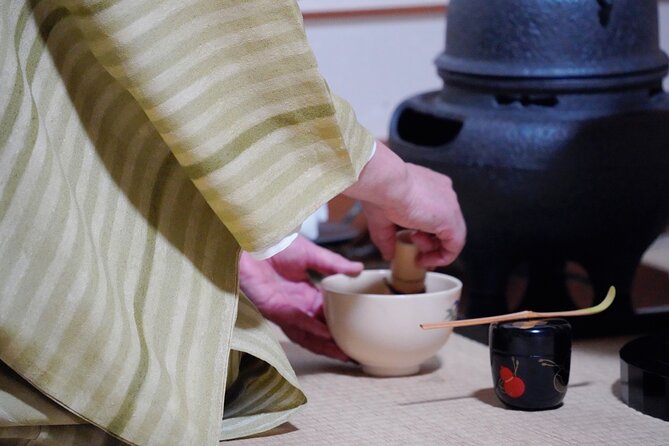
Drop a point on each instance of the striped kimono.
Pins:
(143, 143)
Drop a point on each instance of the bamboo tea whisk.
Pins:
(406, 276)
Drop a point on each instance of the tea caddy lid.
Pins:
(534, 337)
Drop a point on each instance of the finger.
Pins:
(460, 238)
(447, 245)
(382, 233)
(320, 314)
(315, 299)
(328, 262)
(320, 346)
(434, 259)
(294, 318)
(425, 242)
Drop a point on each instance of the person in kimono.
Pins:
(144, 145)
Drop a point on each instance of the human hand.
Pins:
(281, 289)
(431, 207)
(394, 193)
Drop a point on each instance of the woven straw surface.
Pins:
(452, 403)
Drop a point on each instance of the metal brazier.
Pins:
(554, 127)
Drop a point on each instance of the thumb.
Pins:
(327, 262)
(296, 319)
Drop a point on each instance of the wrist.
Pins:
(384, 181)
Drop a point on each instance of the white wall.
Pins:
(376, 62)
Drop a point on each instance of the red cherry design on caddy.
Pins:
(513, 385)
(505, 373)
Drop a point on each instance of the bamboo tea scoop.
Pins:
(406, 277)
(603, 305)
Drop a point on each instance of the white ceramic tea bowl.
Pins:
(382, 331)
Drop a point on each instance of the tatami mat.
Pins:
(452, 403)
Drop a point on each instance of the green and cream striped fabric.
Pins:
(142, 143)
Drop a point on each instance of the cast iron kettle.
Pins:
(553, 124)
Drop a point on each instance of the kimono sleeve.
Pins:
(234, 91)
